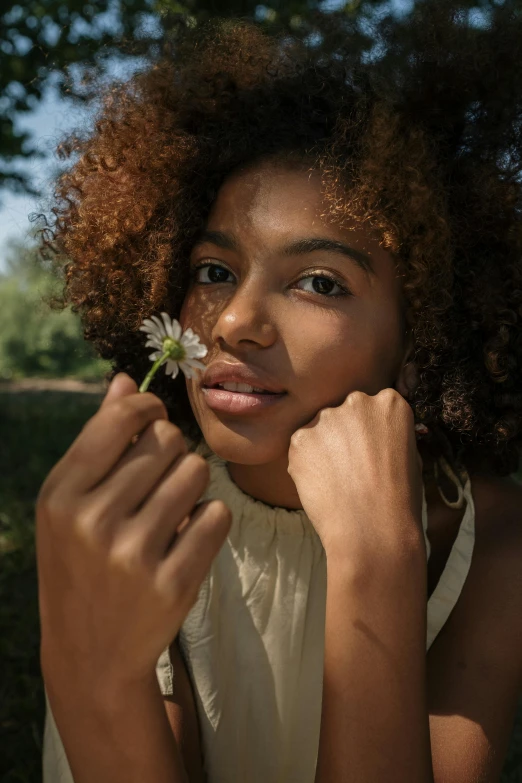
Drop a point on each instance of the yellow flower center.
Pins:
(174, 349)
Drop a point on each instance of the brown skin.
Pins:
(111, 581)
(318, 347)
(72, 508)
(318, 353)
(321, 351)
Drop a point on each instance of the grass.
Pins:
(37, 428)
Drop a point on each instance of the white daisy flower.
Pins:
(172, 347)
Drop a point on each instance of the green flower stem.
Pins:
(150, 375)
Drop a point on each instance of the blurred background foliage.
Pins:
(34, 339)
(70, 44)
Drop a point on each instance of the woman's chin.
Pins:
(245, 449)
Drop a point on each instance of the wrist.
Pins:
(100, 693)
(377, 558)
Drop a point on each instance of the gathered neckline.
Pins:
(276, 521)
(284, 520)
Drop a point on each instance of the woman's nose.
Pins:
(247, 315)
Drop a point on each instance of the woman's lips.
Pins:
(239, 402)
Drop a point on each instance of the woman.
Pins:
(288, 620)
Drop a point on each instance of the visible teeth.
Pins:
(240, 387)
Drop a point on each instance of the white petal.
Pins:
(172, 368)
(155, 355)
(156, 349)
(192, 345)
(160, 326)
(154, 343)
(187, 370)
(153, 331)
(188, 340)
(147, 325)
(193, 363)
(191, 367)
(168, 324)
(198, 351)
(176, 329)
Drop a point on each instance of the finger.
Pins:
(164, 510)
(137, 473)
(121, 385)
(188, 562)
(103, 441)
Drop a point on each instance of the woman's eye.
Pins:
(323, 287)
(215, 278)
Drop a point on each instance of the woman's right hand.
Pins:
(121, 552)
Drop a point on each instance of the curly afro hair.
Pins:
(423, 142)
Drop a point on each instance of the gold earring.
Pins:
(459, 502)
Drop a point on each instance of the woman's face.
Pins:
(262, 300)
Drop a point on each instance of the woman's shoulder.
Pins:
(498, 509)
(497, 554)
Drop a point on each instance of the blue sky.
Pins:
(48, 124)
(51, 120)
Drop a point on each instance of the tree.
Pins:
(45, 42)
(68, 42)
(35, 340)
(39, 41)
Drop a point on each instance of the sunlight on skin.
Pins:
(266, 313)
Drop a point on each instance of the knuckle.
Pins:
(137, 411)
(177, 441)
(219, 509)
(155, 403)
(57, 503)
(182, 584)
(130, 554)
(389, 394)
(121, 407)
(296, 436)
(170, 434)
(89, 526)
(198, 464)
(49, 505)
(355, 397)
(43, 498)
(392, 398)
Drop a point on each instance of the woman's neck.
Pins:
(270, 482)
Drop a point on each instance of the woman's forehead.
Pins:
(277, 206)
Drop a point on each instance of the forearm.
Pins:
(122, 737)
(374, 722)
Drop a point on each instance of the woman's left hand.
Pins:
(358, 473)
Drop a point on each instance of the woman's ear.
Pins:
(408, 377)
(407, 380)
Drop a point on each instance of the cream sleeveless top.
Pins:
(253, 642)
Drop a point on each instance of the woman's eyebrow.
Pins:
(296, 247)
(218, 238)
(311, 244)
